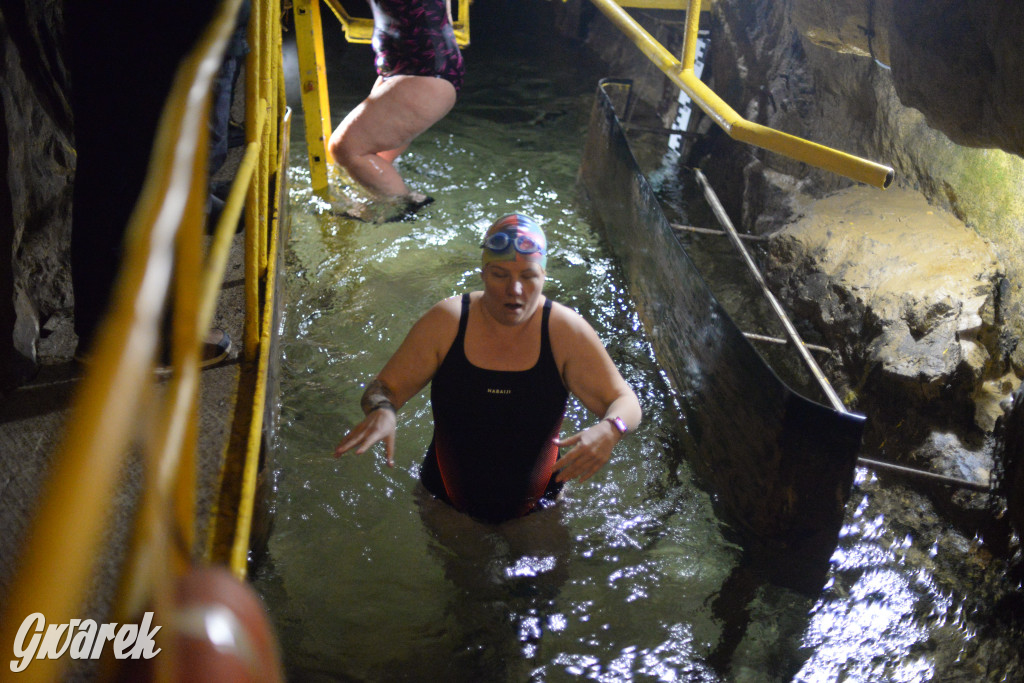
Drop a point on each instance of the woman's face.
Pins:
(512, 290)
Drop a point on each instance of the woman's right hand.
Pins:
(378, 425)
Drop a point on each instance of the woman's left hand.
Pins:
(592, 448)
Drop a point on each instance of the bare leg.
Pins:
(381, 127)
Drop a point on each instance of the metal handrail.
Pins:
(118, 393)
(660, 4)
(309, 42)
(804, 350)
(738, 128)
(794, 336)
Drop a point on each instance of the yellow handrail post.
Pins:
(252, 216)
(690, 36)
(275, 88)
(461, 25)
(309, 41)
(186, 335)
(237, 555)
(360, 29)
(266, 99)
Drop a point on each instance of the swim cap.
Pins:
(515, 236)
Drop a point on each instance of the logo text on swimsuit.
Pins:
(81, 639)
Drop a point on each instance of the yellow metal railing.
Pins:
(309, 42)
(682, 74)
(119, 405)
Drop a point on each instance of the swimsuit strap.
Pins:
(545, 338)
(463, 318)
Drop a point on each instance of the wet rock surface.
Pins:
(909, 299)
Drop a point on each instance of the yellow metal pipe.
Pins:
(267, 93)
(657, 4)
(461, 25)
(252, 281)
(856, 168)
(171, 465)
(243, 521)
(261, 106)
(225, 232)
(174, 463)
(262, 178)
(239, 553)
(360, 29)
(178, 422)
(690, 35)
(175, 457)
(309, 42)
(282, 98)
(274, 91)
(357, 29)
(252, 134)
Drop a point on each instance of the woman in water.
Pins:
(501, 364)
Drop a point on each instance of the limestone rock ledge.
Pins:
(909, 298)
(768, 62)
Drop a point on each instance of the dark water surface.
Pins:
(632, 576)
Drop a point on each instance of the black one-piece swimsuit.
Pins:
(492, 454)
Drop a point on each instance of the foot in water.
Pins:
(388, 210)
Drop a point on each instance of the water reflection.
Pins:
(507, 579)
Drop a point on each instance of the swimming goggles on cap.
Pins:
(524, 244)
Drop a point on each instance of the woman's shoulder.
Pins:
(446, 310)
(437, 327)
(564, 315)
(567, 322)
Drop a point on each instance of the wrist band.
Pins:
(383, 403)
(619, 424)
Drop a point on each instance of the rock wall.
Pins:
(954, 60)
(909, 298)
(931, 361)
(957, 65)
(36, 171)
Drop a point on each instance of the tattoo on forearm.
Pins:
(377, 395)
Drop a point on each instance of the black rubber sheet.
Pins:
(779, 465)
